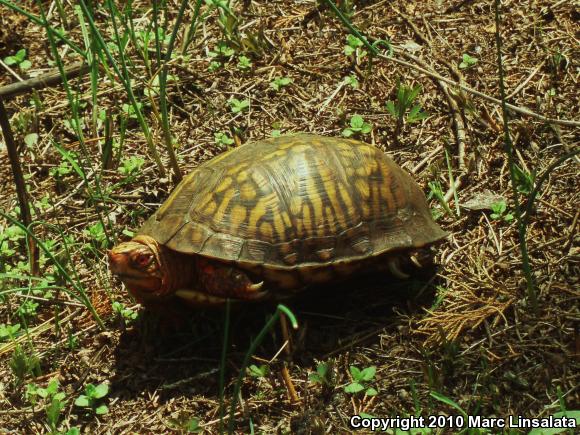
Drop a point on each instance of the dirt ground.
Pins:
(463, 332)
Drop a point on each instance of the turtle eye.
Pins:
(142, 259)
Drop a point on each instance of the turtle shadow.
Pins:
(183, 357)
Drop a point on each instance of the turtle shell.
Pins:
(295, 201)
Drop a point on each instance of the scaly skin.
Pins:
(151, 273)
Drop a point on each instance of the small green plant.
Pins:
(222, 51)
(524, 180)
(127, 314)
(184, 422)
(499, 212)
(63, 169)
(354, 46)
(357, 126)
(145, 37)
(467, 61)
(214, 65)
(258, 371)
(9, 237)
(19, 59)
(435, 191)
(279, 82)
(192, 426)
(23, 364)
(403, 109)
(53, 399)
(129, 110)
(92, 398)
(131, 165)
(361, 380)
(244, 63)
(238, 106)
(223, 139)
(351, 81)
(72, 340)
(559, 61)
(96, 233)
(27, 309)
(31, 139)
(8, 331)
(323, 375)
(346, 7)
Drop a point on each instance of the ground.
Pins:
(464, 334)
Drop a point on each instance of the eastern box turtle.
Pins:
(276, 216)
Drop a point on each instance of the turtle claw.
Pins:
(253, 291)
(255, 287)
(394, 268)
(416, 261)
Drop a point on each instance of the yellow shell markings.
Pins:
(347, 199)
(391, 195)
(223, 205)
(363, 188)
(276, 154)
(306, 221)
(332, 208)
(210, 208)
(339, 211)
(242, 174)
(238, 170)
(238, 215)
(267, 230)
(363, 171)
(225, 184)
(261, 208)
(248, 192)
(329, 220)
(315, 199)
(295, 205)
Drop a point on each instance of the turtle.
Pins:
(273, 217)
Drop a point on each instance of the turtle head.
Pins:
(139, 264)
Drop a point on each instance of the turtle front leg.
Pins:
(226, 281)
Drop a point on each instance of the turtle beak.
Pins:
(117, 262)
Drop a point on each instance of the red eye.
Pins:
(142, 259)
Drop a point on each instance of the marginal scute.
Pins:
(291, 258)
(325, 254)
(292, 203)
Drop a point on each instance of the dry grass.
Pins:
(466, 332)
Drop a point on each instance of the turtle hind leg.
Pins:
(224, 280)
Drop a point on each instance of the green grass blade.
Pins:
(253, 346)
(509, 150)
(123, 78)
